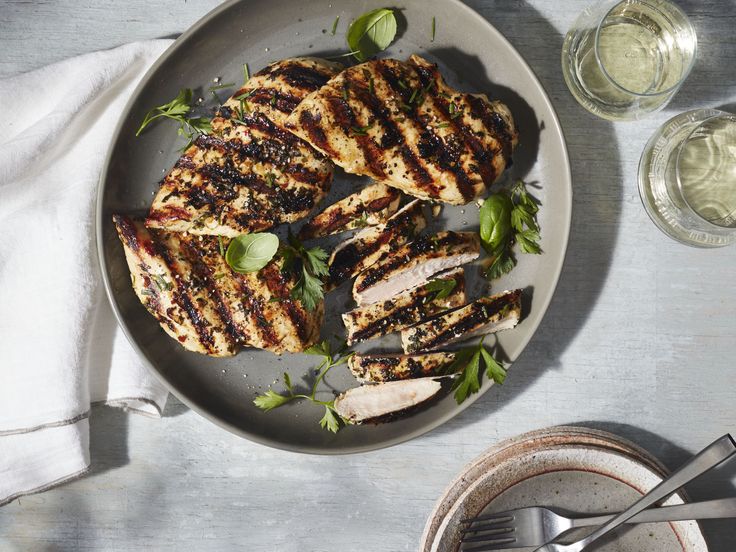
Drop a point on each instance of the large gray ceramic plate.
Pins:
(471, 53)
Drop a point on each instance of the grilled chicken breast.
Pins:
(392, 367)
(403, 310)
(370, 206)
(185, 283)
(249, 174)
(368, 245)
(486, 315)
(384, 401)
(399, 123)
(412, 264)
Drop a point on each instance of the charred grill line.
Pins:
(307, 79)
(317, 135)
(277, 287)
(345, 118)
(493, 120)
(182, 297)
(253, 307)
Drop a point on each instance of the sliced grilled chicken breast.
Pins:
(385, 401)
(278, 88)
(370, 206)
(185, 283)
(248, 174)
(486, 315)
(403, 310)
(368, 245)
(412, 264)
(399, 123)
(392, 367)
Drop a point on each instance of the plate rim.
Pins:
(245, 433)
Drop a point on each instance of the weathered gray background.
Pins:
(640, 339)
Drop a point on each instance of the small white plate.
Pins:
(576, 469)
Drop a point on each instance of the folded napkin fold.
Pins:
(60, 349)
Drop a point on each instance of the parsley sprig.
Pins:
(442, 286)
(467, 365)
(311, 266)
(179, 110)
(331, 420)
(506, 218)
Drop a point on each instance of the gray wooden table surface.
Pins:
(640, 339)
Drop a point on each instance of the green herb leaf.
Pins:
(468, 382)
(251, 252)
(334, 25)
(443, 287)
(320, 349)
(495, 220)
(161, 282)
(528, 241)
(271, 400)
(494, 370)
(371, 33)
(221, 86)
(502, 264)
(246, 74)
(287, 381)
(177, 109)
(434, 28)
(308, 290)
(330, 421)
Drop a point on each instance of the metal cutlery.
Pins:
(536, 526)
(708, 458)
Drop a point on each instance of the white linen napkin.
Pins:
(60, 348)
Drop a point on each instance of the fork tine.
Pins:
(500, 517)
(498, 544)
(489, 536)
(491, 528)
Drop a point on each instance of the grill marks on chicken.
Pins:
(403, 310)
(486, 315)
(399, 123)
(185, 283)
(379, 368)
(368, 245)
(249, 174)
(412, 264)
(371, 206)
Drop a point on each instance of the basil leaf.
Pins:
(495, 220)
(251, 252)
(371, 33)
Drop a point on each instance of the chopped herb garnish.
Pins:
(311, 267)
(402, 84)
(345, 91)
(221, 86)
(361, 131)
(177, 110)
(467, 366)
(272, 101)
(371, 33)
(246, 74)
(334, 25)
(271, 180)
(161, 282)
(506, 218)
(443, 287)
(442, 125)
(434, 28)
(331, 420)
(221, 245)
(251, 252)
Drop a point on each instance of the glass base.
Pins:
(672, 218)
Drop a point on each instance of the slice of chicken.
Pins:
(403, 310)
(411, 265)
(385, 401)
(371, 206)
(367, 246)
(378, 368)
(486, 315)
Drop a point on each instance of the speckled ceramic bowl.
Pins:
(576, 469)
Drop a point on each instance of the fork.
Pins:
(708, 458)
(535, 526)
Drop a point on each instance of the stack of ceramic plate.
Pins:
(572, 468)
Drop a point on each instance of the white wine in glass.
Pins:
(625, 59)
(687, 178)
